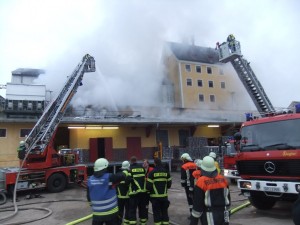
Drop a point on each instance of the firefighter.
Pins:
(123, 193)
(158, 183)
(101, 194)
(214, 156)
(21, 150)
(137, 193)
(211, 195)
(148, 169)
(197, 173)
(187, 180)
(231, 42)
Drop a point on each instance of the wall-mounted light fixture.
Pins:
(213, 125)
(94, 127)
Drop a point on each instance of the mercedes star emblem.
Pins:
(269, 167)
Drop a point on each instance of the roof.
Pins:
(194, 53)
(28, 72)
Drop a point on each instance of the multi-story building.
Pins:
(203, 98)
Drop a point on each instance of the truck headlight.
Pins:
(297, 186)
(245, 184)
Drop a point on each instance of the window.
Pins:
(200, 83)
(24, 132)
(188, 68)
(209, 70)
(210, 84)
(163, 137)
(201, 98)
(183, 137)
(198, 69)
(189, 82)
(223, 84)
(212, 98)
(221, 71)
(2, 132)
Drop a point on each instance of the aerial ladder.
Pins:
(230, 51)
(39, 143)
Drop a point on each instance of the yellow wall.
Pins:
(191, 93)
(80, 138)
(10, 143)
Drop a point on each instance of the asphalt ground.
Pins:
(70, 205)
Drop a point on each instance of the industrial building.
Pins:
(202, 101)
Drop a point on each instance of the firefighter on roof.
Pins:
(102, 195)
(187, 180)
(211, 196)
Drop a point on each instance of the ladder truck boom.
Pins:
(230, 51)
(38, 140)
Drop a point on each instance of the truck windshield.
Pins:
(278, 135)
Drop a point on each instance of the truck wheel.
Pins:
(56, 183)
(260, 201)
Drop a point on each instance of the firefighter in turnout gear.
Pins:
(21, 150)
(211, 196)
(158, 183)
(102, 195)
(137, 193)
(187, 180)
(123, 193)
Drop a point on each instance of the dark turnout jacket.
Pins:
(158, 182)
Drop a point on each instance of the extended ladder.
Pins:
(45, 128)
(232, 53)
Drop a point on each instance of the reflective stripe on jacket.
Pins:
(212, 198)
(158, 182)
(103, 197)
(187, 169)
(123, 187)
(138, 183)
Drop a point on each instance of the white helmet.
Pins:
(125, 165)
(213, 155)
(208, 164)
(22, 143)
(100, 164)
(199, 162)
(185, 156)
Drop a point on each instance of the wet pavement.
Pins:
(71, 205)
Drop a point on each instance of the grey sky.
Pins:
(126, 39)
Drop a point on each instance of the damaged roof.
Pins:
(194, 53)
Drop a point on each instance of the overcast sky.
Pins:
(126, 39)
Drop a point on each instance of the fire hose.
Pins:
(232, 211)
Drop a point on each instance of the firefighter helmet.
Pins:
(22, 143)
(185, 156)
(213, 155)
(199, 162)
(100, 164)
(208, 164)
(125, 165)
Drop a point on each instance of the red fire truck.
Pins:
(269, 159)
(42, 166)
